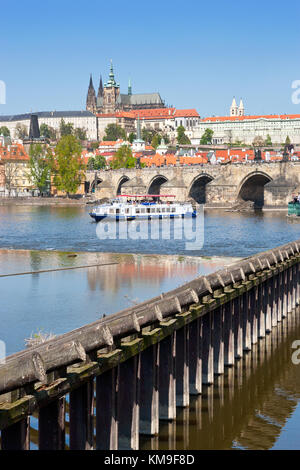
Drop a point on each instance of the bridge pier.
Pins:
(229, 334)
(182, 367)
(207, 349)
(218, 340)
(167, 379)
(149, 407)
(195, 356)
(107, 385)
(129, 403)
(238, 327)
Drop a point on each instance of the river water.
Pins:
(252, 410)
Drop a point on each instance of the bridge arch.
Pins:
(197, 189)
(155, 184)
(94, 184)
(251, 188)
(121, 181)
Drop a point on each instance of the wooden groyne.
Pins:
(138, 365)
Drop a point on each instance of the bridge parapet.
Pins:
(201, 326)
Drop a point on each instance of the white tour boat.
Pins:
(126, 207)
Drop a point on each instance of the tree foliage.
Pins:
(4, 131)
(206, 138)
(21, 131)
(258, 141)
(80, 133)
(182, 139)
(48, 132)
(268, 141)
(123, 158)
(65, 128)
(67, 166)
(96, 163)
(131, 137)
(114, 132)
(287, 140)
(39, 167)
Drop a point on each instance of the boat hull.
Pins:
(98, 218)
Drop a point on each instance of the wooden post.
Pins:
(207, 349)
(182, 367)
(289, 289)
(281, 293)
(246, 320)
(167, 379)
(195, 356)
(218, 340)
(106, 410)
(229, 334)
(52, 426)
(128, 404)
(285, 295)
(255, 308)
(275, 291)
(16, 436)
(262, 308)
(149, 407)
(82, 417)
(269, 305)
(238, 327)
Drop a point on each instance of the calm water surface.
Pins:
(254, 406)
(72, 229)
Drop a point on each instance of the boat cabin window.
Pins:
(173, 209)
(111, 211)
(143, 210)
(148, 210)
(127, 211)
(137, 210)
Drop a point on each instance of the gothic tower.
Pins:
(241, 108)
(111, 92)
(234, 108)
(91, 97)
(100, 89)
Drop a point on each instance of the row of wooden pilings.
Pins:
(126, 372)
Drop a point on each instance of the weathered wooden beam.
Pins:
(149, 406)
(107, 385)
(167, 378)
(82, 417)
(52, 426)
(16, 436)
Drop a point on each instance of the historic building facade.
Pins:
(110, 100)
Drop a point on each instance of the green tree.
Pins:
(91, 163)
(48, 132)
(94, 145)
(21, 131)
(287, 140)
(258, 141)
(268, 141)
(206, 138)
(156, 140)
(147, 135)
(4, 131)
(80, 133)
(100, 162)
(66, 128)
(182, 139)
(123, 158)
(39, 167)
(67, 166)
(114, 132)
(131, 137)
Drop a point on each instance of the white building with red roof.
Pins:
(230, 129)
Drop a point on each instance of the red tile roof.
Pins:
(245, 118)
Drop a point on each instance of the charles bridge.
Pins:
(266, 184)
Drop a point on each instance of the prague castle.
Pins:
(110, 100)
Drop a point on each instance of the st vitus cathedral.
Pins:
(110, 100)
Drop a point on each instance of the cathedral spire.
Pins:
(129, 88)
(91, 97)
(100, 89)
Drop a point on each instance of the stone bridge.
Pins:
(266, 184)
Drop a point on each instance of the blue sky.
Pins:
(196, 54)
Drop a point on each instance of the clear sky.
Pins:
(197, 54)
